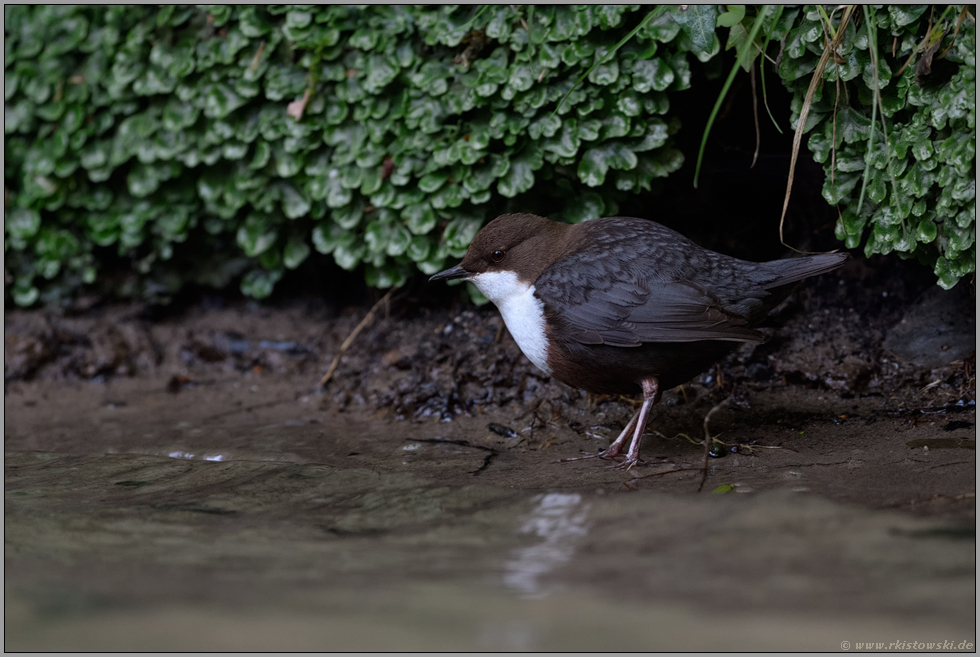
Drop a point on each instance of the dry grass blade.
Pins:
(876, 105)
(775, 62)
(963, 14)
(833, 139)
(257, 58)
(708, 440)
(805, 112)
(296, 108)
(919, 47)
(353, 335)
(740, 59)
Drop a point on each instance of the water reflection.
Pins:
(191, 456)
(560, 521)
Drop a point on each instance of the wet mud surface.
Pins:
(178, 483)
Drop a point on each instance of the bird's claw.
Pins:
(627, 464)
(598, 455)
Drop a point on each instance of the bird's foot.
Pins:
(604, 454)
(628, 463)
(580, 458)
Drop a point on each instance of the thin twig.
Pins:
(257, 58)
(875, 106)
(523, 22)
(350, 338)
(762, 67)
(665, 472)
(740, 59)
(461, 443)
(963, 15)
(833, 136)
(804, 113)
(708, 440)
(833, 142)
(920, 46)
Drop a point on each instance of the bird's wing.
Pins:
(621, 303)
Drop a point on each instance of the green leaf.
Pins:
(349, 253)
(259, 283)
(327, 236)
(834, 191)
(585, 207)
(295, 252)
(256, 236)
(459, 233)
(903, 15)
(349, 216)
(376, 235)
(399, 240)
(380, 74)
(597, 161)
(852, 223)
(294, 203)
(55, 245)
(698, 23)
(385, 276)
(629, 105)
(432, 182)
(21, 223)
(852, 127)
(661, 29)
(26, 296)
(732, 17)
(421, 219)
(926, 231)
(605, 74)
(520, 175)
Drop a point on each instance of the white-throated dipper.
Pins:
(621, 305)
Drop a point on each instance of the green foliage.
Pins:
(214, 144)
(914, 154)
(221, 143)
(746, 53)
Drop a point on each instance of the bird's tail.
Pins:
(792, 270)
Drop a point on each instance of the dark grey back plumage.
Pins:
(625, 282)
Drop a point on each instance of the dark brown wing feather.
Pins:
(641, 282)
(641, 311)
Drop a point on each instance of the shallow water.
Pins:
(244, 517)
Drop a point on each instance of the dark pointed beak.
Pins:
(454, 272)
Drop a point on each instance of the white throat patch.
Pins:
(523, 312)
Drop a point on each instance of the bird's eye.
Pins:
(497, 255)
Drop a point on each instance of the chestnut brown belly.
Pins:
(606, 370)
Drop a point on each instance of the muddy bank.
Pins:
(136, 522)
(176, 482)
(885, 330)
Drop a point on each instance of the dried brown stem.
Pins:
(353, 335)
(708, 440)
(805, 112)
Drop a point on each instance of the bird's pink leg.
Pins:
(651, 395)
(617, 446)
(612, 450)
